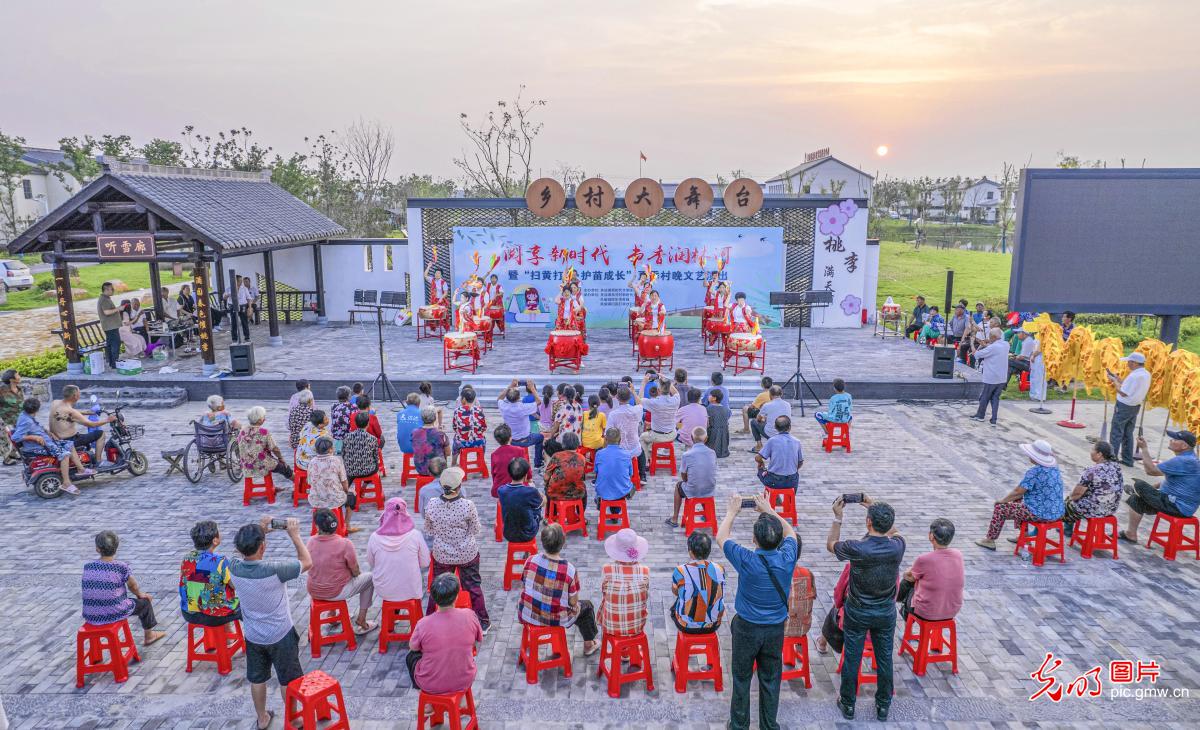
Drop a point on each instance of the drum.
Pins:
(459, 341)
(744, 342)
(656, 345)
(717, 325)
(481, 324)
(496, 313)
(431, 311)
(566, 344)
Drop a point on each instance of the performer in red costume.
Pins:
(439, 288)
(654, 314)
(741, 315)
(572, 312)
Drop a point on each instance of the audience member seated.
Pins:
(217, 415)
(363, 404)
(699, 588)
(920, 313)
(800, 603)
(550, 591)
(306, 446)
(933, 587)
(328, 486)
(698, 473)
(780, 459)
(1038, 498)
(397, 554)
(340, 413)
(718, 423)
(206, 594)
(11, 398)
(627, 418)
(760, 608)
(614, 469)
(335, 575)
(501, 455)
(840, 405)
(716, 382)
(469, 423)
(452, 524)
(521, 505)
(567, 414)
(625, 585)
(360, 450)
(869, 604)
(1179, 493)
(299, 416)
(437, 468)
(934, 327)
(663, 407)
(1098, 493)
(516, 414)
(565, 471)
(30, 438)
(763, 426)
(107, 587)
(750, 411)
(441, 655)
(691, 416)
(595, 421)
(408, 420)
(428, 441)
(257, 449)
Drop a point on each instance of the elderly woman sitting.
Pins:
(397, 554)
(317, 426)
(1038, 498)
(31, 438)
(299, 415)
(217, 414)
(257, 449)
(327, 483)
(1098, 493)
(428, 441)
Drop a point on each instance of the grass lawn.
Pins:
(135, 275)
(905, 272)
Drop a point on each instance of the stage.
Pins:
(339, 353)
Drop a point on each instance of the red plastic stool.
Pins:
(867, 668)
(408, 470)
(340, 617)
(783, 501)
(471, 461)
(636, 477)
(589, 459)
(533, 638)
(382, 464)
(699, 513)
(299, 485)
(499, 522)
(620, 518)
(1023, 384)
(569, 514)
(369, 491)
(795, 655)
(252, 489)
(614, 650)
(217, 644)
(315, 697)
(341, 530)
(434, 709)
(662, 456)
(92, 641)
(836, 434)
(705, 646)
(1096, 533)
(421, 482)
(929, 642)
(397, 612)
(1171, 536)
(1040, 544)
(464, 599)
(514, 564)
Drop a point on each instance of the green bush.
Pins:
(45, 284)
(37, 366)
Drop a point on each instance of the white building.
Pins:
(822, 174)
(979, 201)
(40, 190)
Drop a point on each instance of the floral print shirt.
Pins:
(427, 443)
(360, 454)
(564, 476)
(298, 417)
(339, 419)
(470, 425)
(569, 419)
(1104, 482)
(256, 448)
(306, 445)
(453, 528)
(1043, 492)
(325, 477)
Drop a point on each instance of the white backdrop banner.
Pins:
(840, 263)
(531, 262)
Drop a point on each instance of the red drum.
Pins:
(459, 341)
(432, 311)
(744, 342)
(717, 325)
(460, 351)
(566, 348)
(655, 350)
(495, 312)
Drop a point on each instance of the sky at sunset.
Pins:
(702, 87)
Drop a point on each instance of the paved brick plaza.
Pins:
(928, 460)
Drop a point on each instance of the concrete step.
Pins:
(164, 397)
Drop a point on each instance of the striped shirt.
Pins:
(549, 584)
(105, 599)
(625, 590)
(261, 587)
(699, 594)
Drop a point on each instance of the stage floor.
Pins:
(873, 368)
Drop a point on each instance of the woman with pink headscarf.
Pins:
(397, 554)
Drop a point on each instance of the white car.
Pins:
(14, 275)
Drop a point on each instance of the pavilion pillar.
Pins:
(319, 274)
(220, 274)
(66, 313)
(272, 309)
(155, 279)
(200, 285)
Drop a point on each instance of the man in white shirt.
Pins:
(994, 361)
(244, 298)
(1131, 391)
(663, 407)
(626, 417)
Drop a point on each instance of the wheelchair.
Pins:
(211, 448)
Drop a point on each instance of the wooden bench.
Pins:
(89, 337)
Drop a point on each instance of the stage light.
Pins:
(881, 150)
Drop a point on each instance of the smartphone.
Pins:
(855, 498)
(278, 523)
(748, 503)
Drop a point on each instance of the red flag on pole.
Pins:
(642, 156)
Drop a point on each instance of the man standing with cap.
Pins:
(1179, 493)
(1131, 391)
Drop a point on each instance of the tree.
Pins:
(834, 188)
(12, 169)
(569, 175)
(886, 195)
(232, 150)
(953, 189)
(499, 162)
(160, 151)
(294, 176)
(369, 148)
(1009, 176)
(1072, 162)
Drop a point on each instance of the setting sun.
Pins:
(881, 150)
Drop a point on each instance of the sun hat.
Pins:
(395, 519)
(451, 479)
(1137, 357)
(1041, 452)
(626, 546)
(1185, 436)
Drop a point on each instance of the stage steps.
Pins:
(742, 389)
(162, 397)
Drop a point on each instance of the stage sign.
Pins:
(125, 248)
(839, 262)
(545, 198)
(530, 263)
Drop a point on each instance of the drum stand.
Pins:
(388, 392)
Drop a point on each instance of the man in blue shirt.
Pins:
(407, 421)
(718, 383)
(520, 504)
(614, 469)
(1178, 495)
(870, 595)
(780, 459)
(840, 405)
(764, 580)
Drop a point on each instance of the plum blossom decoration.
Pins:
(851, 305)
